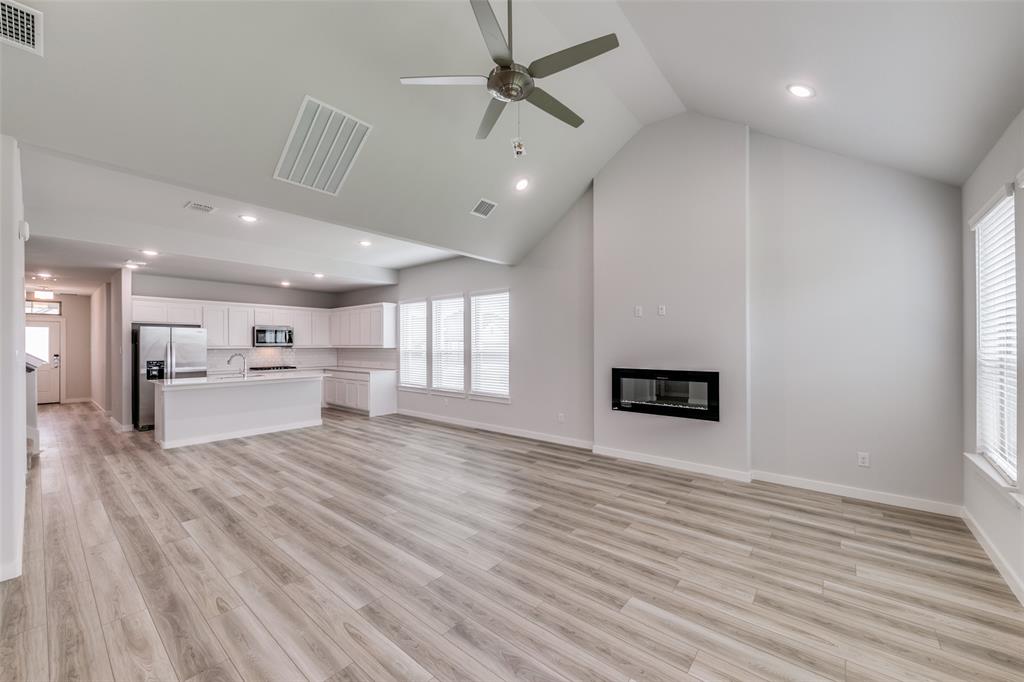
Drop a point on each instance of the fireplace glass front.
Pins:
(674, 393)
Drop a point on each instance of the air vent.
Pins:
(202, 208)
(321, 147)
(483, 208)
(21, 26)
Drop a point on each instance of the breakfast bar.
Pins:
(207, 409)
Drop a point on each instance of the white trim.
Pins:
(921, 504)
(76, 400)
(992, 473)
(1020, 180)
(256, 431)
(673, 463)
(32, 435)
(507, 430)
(118, 426)
(1013, 581)
(490, 398)
(97, 406)
(1004, 192)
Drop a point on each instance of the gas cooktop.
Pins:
(264, 369)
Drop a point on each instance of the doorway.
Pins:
(43, 340)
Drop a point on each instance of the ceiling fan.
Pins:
(512, 82)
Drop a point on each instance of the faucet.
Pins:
(245, 364)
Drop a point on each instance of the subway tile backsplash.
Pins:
(217, 358)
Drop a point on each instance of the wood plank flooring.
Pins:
(401, 550)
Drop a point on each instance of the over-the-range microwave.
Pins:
(271, 336)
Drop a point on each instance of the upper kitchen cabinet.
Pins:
(321, 328)
(264, 316)
(302, 328)
(228, 326)
(365, 326)
(167, 311)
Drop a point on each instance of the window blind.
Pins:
(489, 344)
(412, 344)
(448, 345)
(997, 337)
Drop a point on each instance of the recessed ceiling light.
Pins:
(44, 275)
(132, 266)
(522, 184)
(318, 275)
(246, 218)
(286, 283)
(365, 242)
(801, 91)
(150, 252)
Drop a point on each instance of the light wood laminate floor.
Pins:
(397, 549)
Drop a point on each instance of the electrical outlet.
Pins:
(638, 311)
(561, 417)
(863, 459)
(662, 310)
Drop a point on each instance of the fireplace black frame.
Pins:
(710, 378)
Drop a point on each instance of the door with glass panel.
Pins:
(42, 339)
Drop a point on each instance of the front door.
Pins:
(42, 339)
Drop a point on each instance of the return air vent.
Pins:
(21, 26)
(321, 147)
(483, 208)
(202, 208)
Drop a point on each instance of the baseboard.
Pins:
(119, 427)
(917, 503)
(1014, 581)
(97, 406)
(672, 463)
(257, 431)
(67, 401)
(507, 430)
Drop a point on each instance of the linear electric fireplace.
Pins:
(673, 393)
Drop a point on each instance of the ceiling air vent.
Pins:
(202, 208)
(21, 26)
(321, 147)
(483, 208)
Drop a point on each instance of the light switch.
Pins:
(661, 310)
(638, 311)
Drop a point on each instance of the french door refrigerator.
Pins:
(162, 351)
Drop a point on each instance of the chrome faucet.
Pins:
(245, 364)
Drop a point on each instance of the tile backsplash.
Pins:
(217, 358)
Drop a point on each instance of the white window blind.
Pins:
(412, 344)
(489, 344)
(997, 337)
(448, 345)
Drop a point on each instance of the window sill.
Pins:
(504, 399)
(996, 478)
(412, 389)
(447, 394)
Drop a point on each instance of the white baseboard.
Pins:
(119, 427)
(66, 401)
(97, 406)
(1005, 568)
(918, 503)
(672, 463)
(256, 431)
(507, 430)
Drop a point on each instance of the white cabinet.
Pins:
(302, 328)
(321, 328)
(166, 311)
(227, 326)
(374, 392)
(366, 326)
(284, 317)
(264, 316)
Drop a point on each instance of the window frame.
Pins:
(31, 302)
(446, 392)
(477, 395)
(426, 332)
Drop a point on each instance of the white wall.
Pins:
(550, 335)
(119, 356)
(995, 516)
(12, 362)
(204, 290)
(670, 223)
(855, 323)
(98, 330)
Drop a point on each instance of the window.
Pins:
(997, 337)
(489, 344)
(42, 307)
(447, 344)
(412, 344)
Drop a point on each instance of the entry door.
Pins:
(42, 339)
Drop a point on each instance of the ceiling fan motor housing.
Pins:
(510, 83)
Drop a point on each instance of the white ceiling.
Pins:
(926, 87)
(81, 267)
(203, 94)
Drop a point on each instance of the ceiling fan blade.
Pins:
(494, 110)
(571, 56)
(491, 30)
(444, 80)
(545, 102)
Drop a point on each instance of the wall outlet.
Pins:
(863, 459)
(662, 310)
(561, 417)
(638, 311)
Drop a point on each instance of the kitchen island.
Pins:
(212, 408)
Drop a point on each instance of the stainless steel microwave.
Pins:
(272, 336)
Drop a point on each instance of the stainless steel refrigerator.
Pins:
(162, 351)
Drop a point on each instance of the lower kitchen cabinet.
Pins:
(372, 391)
